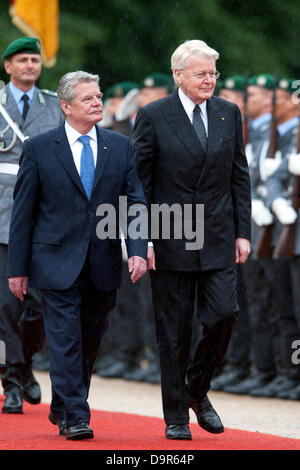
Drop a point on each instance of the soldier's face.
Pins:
(236, 97)
(86, 108)
(259, 101)
(149, 94)
(191, 80)
(285, 107)
(24, 69)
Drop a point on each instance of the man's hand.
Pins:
(242, 250)
(151, 259)
(137, 266)
(18, 286)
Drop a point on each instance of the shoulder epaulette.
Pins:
(49, 93)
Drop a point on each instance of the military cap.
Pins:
(286, 84)
(155, 80)
(26, 44)
(119, 90)
(219, 86)
(263, 80)
(235, 83)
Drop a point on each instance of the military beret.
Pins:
(286, 84)
(26, 44)
(219, 86)
(263, 80)
(235, 83)
(120, 90)
(156, 80)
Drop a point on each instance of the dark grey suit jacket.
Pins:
(173, 169)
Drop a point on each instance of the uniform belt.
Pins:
(9, 168)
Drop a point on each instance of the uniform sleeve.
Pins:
(23, 213)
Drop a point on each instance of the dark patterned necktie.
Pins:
(199, 127)
(25, 98)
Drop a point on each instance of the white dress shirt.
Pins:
(189, 106)
(76, 146)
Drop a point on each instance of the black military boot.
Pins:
(13, 390)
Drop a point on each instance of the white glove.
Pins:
(284, 211)
(249, 153)
(294, 164)
(260, 213)
(271, 164)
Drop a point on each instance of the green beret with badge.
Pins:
(156, 80)
(235, 83)
(120, 90)
(22, 45)
(263, 80)
(286, 84)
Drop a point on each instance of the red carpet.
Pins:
(122, 431)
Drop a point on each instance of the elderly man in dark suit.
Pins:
(189, 151)
(68, 178)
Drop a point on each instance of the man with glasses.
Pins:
(189, 150)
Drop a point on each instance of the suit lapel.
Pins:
(181, 125)
(215, 126)
(64, 154)
(103, 154)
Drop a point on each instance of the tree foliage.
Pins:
(128, 39)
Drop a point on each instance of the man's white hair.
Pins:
(67, 86)
(184, 51)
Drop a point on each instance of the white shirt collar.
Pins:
(189, 106)
(74, 135)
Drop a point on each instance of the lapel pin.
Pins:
(223, 119)
(105, 148)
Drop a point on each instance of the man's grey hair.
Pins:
(184, 51)
(67, 85)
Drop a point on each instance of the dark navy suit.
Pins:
(53, 241)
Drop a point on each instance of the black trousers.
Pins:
(75, 320)
(272, 315)
(21, 323)
(174, 296)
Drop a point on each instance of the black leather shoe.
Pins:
(58, 422)
(178, 431)
(79, 432)
(31, 389)
(13, 401)
(207, 417)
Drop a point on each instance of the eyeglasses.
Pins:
(203, 75)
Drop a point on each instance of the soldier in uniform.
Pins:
(279, 185)
(34, 111)
(272, 317)
(130, 339)
(259, 106)
(113, 99)
(237, 359)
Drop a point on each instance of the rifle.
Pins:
(286, 243)
(263, 246)
(245, 116)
